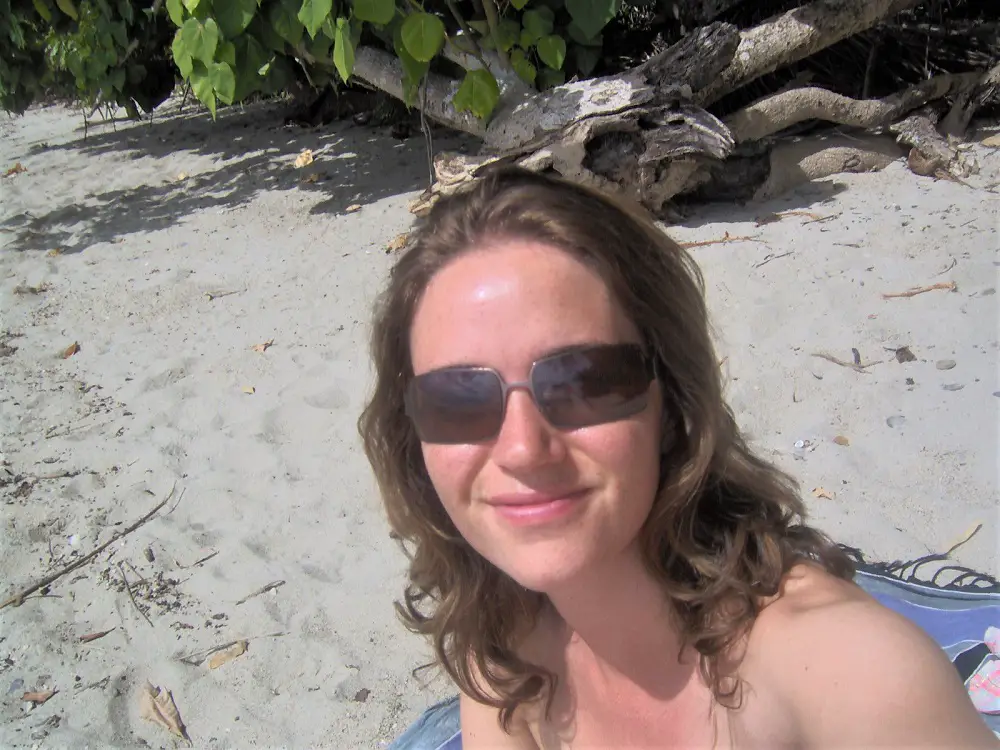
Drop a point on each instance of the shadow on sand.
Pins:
(253, 150)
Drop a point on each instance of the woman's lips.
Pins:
(533, 509)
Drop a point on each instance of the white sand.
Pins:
(275, 482)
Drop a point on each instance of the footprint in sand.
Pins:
(329, 399)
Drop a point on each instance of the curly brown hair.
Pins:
(725, 525)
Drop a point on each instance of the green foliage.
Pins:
(116, 51)
(592, 15)
(423, 36)
(552, 51)
(380, 12)
(478, 94)
(343, 49)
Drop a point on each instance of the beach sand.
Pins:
(167, 251)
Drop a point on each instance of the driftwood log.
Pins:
(649, 133)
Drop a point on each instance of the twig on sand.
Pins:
(721, 241)
(206, 558)
(856, 366)
(18, 598)
(100, 683)
(949, 285)
(131, 596)
(770, 257)
(198, 657)
(262, 590)
(216, 295)
(947, 268)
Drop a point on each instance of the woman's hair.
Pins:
(725, 525)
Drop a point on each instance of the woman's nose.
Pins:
(526, 439)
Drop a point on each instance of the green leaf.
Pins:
(175, 9)
(552, 51)
(234, 16)
(343, 49)
(227, 54)
(313, 13)
(116, 78)
(192, 5)
(592, 15)
(423, 36)
(201, 85)
(508, 33)
(549, 78)
(413, 70)
(375, 11)
(538, 22)
(182, 57)
(67, 7)
(586, 59)
(523, 67)
(577, 35)
(284, 17)
(478, 94)
(125, 11)
(200, 39)
(263, 30)
(250, 58)
(518, 4)
(481, 26)
(43, 10)
(223, 81)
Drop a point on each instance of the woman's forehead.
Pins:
(510, 305)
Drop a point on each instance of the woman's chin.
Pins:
(543, 574)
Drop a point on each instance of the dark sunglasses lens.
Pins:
(458, 405)
(592, 386)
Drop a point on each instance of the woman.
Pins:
(596, 554)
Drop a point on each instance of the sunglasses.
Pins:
(578, 387)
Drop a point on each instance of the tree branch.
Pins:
(777, 112)
(797, 34)
(384, 71)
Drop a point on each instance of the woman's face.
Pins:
(540, 503)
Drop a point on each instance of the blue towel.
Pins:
(958, 608)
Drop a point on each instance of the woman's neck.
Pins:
(620, 618)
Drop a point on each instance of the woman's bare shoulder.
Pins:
(850, 672)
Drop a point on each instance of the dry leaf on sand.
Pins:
(94, 636)
(314, 177)
(181, 176)
(227, 654)
(16, 169)
(304, 159)
(822, 492)
(38, 697)
(157, 705)
(70, 350)
(263, 347)
(993, 140)
(249, 390)
(841, 440)
(352, 208)
(398, 242)
(54, 252)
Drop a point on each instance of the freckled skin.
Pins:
(505, 306)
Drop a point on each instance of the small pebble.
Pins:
(945, 364)
(953, 386)
(895, 420)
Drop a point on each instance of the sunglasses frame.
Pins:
(650, 364)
